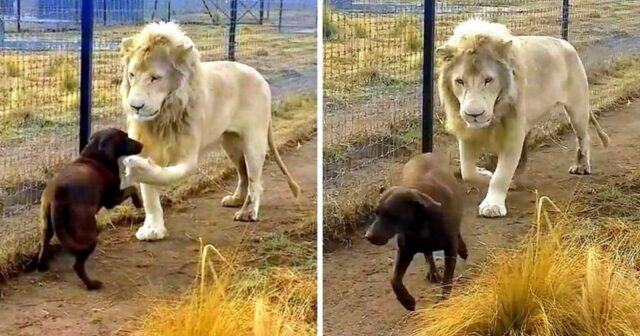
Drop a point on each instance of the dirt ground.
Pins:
(358, 299)
(134, 273)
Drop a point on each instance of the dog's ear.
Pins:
(425, 201)
(106, 146)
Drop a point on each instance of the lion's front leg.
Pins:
(153, 227)
(493, 204)
(469, 154)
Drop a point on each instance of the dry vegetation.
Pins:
(570, 277)
(236, 300)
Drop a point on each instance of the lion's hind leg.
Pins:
(255, 151)
(579, 116)
(232, 144)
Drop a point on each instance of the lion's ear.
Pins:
(126, 45)
(505, 47)
(445, 52)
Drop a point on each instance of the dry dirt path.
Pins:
(358, 299)
(133, 272)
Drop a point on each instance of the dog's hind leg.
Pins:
(579, 116)
(81, 258)
(47, 233)
(232, 144)
(255, 151)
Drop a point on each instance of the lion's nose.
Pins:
(137, 108)
(474, 113)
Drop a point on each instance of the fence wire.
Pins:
(373, 77)
(40, 62)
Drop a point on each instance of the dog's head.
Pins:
(401, 210)
(112, 144)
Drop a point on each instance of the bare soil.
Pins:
(358, 299)
(136, 273)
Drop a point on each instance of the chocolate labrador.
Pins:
(74, 196)
(425, 211)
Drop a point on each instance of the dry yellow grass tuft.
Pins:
(228, 301)
(556, 284)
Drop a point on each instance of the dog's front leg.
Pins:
(450, 259)
(493, 204)
(125, 193)
(153, 227)
(403, 259)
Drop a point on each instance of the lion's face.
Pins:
(477, 81)
(150, 82)
(158, 64)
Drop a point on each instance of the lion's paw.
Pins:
(491, 208)
(149, 232)
(580, 169)
(231, 202)
(246, 216)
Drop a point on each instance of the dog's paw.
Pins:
(434, 277)
(93, 285)
(408, 302)
(246, 216)
(231, 202)
(490, 208)
(580, 169)
(42, 266)
(149, 232)
(484, 174)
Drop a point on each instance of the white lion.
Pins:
(495, 86)
(181, 108)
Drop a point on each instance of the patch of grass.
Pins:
(329, 27)
(280, 249)
(10, 66)
(229, 301)
(555, 284)
(288, 108)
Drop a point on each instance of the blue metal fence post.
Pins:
(428, 43)
(565, 20)
(86, 54)
(18, 10)
(232, 30)
(280, 17)
(261, 11)
(169, 10)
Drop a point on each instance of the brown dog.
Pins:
(425, 211)
(74, 196)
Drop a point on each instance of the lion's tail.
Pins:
(601, 134)
(295, 188)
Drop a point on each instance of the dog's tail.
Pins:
(601, 134)
(295, 188)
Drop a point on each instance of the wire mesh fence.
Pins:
(40, 91)
(373, 78)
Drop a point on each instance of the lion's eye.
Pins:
(460, 81)
(131, 75)
(488, 80)
(154, 78)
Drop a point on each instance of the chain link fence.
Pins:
(373, 80)
(40, 71)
